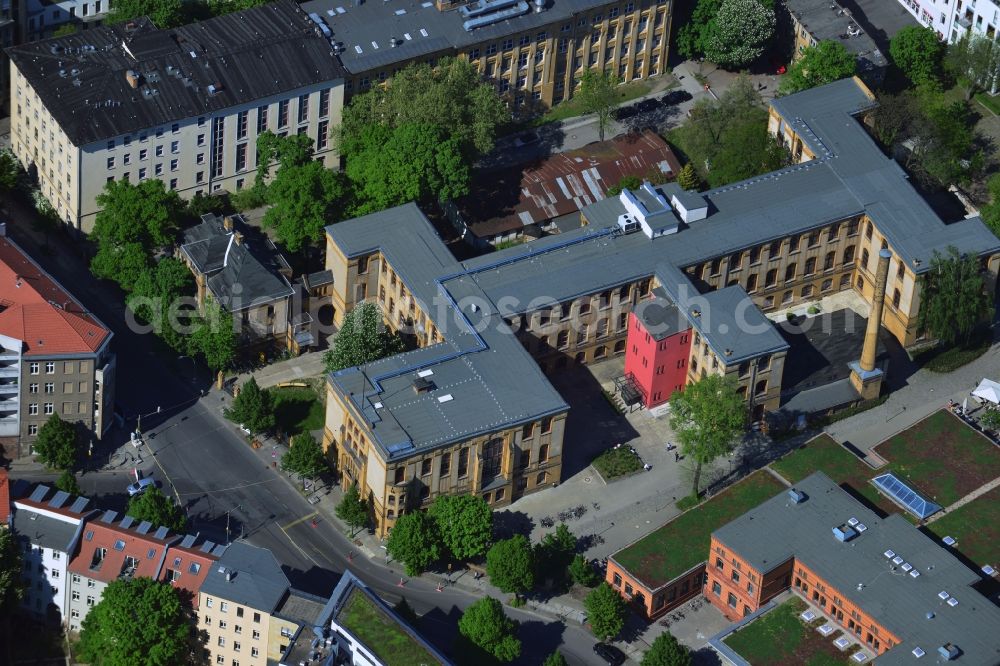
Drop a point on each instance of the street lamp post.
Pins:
(235, 508)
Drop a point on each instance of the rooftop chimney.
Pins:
(132, 77)
(238, 238)
(227, 223)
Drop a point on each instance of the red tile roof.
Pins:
(561, 184)
(147, 551)
(4, 496)
(184, 561)
(39, 312)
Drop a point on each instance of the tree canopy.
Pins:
(10, 170)
(465, 523)
(165, 14)
(390, 166)
(582, 572)
(598, 94)
(953, 297)
(253, 407)
(11, 568)
(727, 139)
(153, 506)
(555, 659)
(67, 483)
(485, 625)
(353, 509)
(451, 96)
(918, 53)
(510, 565)
(362, 338)
(605, 611)
(975, 61)
(214, 337)
(739, 33)
(707, 417)
(692, 35)
(826, 62)
(666, 651)
(138, 622)
(990, 212)
(688, 177)
(58, 444)
(305, 457)
(414, 542)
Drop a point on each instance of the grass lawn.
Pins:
(780, 637)
(682, 543)
(617, 462)
(989, 101)
(976, 525)
(824, 454)
(938, 359)
(944, 458)
(298, 410)
(381, 634)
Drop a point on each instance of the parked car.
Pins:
(610, 654)
(675, 97)
(139, 486)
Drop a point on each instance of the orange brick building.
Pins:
(879, 579)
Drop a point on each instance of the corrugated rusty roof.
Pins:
(563, 183)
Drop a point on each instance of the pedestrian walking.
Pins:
(677, 456)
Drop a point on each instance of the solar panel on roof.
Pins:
(218, 550)
(127, 522)
(160, 533)
(109, 516)
(60, 499)
(143, 527)
(904, 496)
(207, 546)
(79, 504)
(187, 541)
(39, 493)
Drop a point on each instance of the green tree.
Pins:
(305, 457)
(155, 300)
(990, 213)
(739, 33)
(353, 509)
(138, 622)
(941, 139)
(123, 263)
(990, 419)
(67, 483)
(304, 199)
(486, 626)
(165, 14)
(202, 204)
(707, 417)
(215, 338)
(953, 297)
(452, 96)
(58, 443)
(692, 35)
(362, 339)
(688, 178)
(10, 170)
(598, 94)
(826, 62)
(555, 552)
(414, 542)
(66, 29)
(465, 523)
(582, 573)
(253, 407)
(626, 183)
(510, 565)
(11, 568)
(555, 659)
(918, 53)
(153, 506)
(283, 151)
(666, 651)
(605, 611)
(975, 61)
(390, 166)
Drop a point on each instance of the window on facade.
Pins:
(790, 272)
(896, 296)
(810, 266)
(283, 113)
(463, 462)
(303, 108)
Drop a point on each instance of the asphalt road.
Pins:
(206, 463)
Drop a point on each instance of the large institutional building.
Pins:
(534, 50)
(888, 586)
(471, 410)
(184, 106)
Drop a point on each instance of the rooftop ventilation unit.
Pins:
(517, 9)
(422, 385)
(844, 533)
(949, 651)
(627, 223)
(797, 496)
(481, 7)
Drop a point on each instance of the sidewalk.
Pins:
(294, 369)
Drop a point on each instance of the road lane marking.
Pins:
(226, 490)
(300, 520)
(297, 547)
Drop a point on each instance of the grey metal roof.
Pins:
(301, 607)
(780, 529)
(496, 383)
(241, 274)
(257, 579)
(660, 317)
(366, 29)
(42, 530)
(826, 20)
(246, 55)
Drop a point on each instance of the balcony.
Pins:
(9, 386)
(10, 370)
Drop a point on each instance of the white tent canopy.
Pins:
(989, 391)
